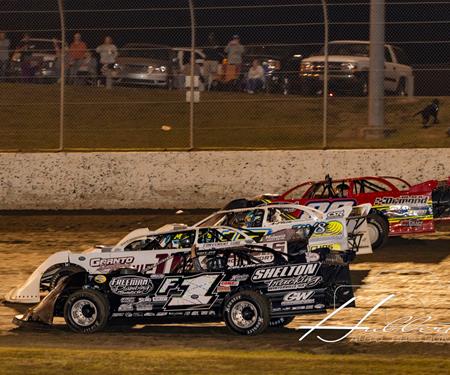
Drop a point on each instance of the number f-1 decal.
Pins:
(192, 292)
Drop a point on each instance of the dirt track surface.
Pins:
(416, 270)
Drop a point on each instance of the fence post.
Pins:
(325, 76)
(62, 77)
(376, 71)
(191, 102)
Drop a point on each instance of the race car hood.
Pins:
(28, 292)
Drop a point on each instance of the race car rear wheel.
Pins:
(247, 313)
(86, 311)
(280, 322)
(378, 229)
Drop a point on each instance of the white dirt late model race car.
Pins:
(337, 229)
(145, 250)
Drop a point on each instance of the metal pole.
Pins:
(376, 72)
(62, 74)
(325, 76)
(191, 87)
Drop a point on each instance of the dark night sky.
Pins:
(410, 24)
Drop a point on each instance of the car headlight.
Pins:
(348, 66)
(306, 67)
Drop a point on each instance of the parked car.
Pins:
(43, 59)
(144, 64)
(348, 64)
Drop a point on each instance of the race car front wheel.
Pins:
(86, 311)
(378, 229)
(280, 322)
(247, 313)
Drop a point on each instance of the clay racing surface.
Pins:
(416, 269)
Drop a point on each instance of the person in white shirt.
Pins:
(107, 51)
(255, 77)
(108, 55)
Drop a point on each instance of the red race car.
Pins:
(398, 207)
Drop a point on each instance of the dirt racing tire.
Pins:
(247, 313)
(86, 311)
(378, 229)
(64, 271)
(280, 322)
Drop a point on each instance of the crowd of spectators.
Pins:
(92, 65)
(80, 62)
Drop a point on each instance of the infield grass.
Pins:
(150, 361)
(127, 118)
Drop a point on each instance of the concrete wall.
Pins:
(191, 179)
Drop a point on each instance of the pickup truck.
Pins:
(348, 67)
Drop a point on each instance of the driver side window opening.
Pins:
(177, 240)
(246, 219)
(369, 186)
(324, 190)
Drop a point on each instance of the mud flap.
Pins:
(42, 313)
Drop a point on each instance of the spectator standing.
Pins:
(77, 52)
(88, 69)
(108, 55)
(25, 51)
(4, 54)
(234, 51)
(255, 77)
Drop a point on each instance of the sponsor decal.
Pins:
(239, 277)
(130, 285)
(403, 199)
(160, 298)
(110, 263)
(229, 283)
(157, 276)
(117, 315)
(411, 223)
(275, 237)
(268, 273)
(298, 282)
(335, 214)
(100, 279)
(127, 300)
(149, 314)
(126, 307)
(144, 304)
(223, 289)
(298, 298)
